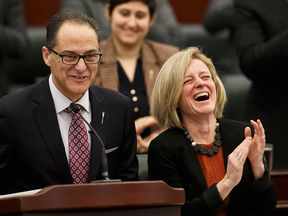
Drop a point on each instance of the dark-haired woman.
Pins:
(130, 63)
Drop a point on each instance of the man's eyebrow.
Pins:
(93, 51)
(73, 52)
(68, 52)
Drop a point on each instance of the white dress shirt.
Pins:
(61, 102)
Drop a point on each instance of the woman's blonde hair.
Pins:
(169, 84)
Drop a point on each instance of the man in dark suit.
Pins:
(34, 144)
(261, 38)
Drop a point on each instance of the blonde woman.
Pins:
(217, 161)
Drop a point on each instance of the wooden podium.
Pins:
(153, 198)
(280, 178)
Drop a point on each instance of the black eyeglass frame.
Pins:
(79, 56)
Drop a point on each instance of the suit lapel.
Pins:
(46, 119)
(150, 65)
(108, 66)
(227, 141)
(100, 122)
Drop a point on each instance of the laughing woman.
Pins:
(130, 63)
(217, 161)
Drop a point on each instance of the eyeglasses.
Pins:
(73, 59)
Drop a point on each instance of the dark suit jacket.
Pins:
(172, 159)
(32, 153)
(261, 41)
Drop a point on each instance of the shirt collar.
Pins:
(61, 102)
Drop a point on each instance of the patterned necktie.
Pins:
(79, 153)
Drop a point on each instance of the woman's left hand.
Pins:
(143, 143)
(256, 151)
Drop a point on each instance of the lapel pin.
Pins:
(103, 114)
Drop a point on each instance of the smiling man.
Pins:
(42, 141)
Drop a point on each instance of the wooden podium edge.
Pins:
(282, 204)
(96, 196)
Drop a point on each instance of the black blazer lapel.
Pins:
(100, 122)
(232, 132)
(46, 119)
(226, 139)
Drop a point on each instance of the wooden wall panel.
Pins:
(189, 11)
(38, 12)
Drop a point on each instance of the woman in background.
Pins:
(217, 161)
(130, 63)
(166, 28)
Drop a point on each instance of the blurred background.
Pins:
(37, 13)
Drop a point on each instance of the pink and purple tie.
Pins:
(79, 153)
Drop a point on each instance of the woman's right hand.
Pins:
(234, 170)
(140, 125)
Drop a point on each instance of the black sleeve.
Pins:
(6, 139)
(259, 54)
(219, 15)
(13, 38)
(263, 193)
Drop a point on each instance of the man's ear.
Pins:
(107, 13)
(45, 55)
(152, 20)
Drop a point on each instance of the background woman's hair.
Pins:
(150, 3)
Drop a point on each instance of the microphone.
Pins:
(105, 174)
